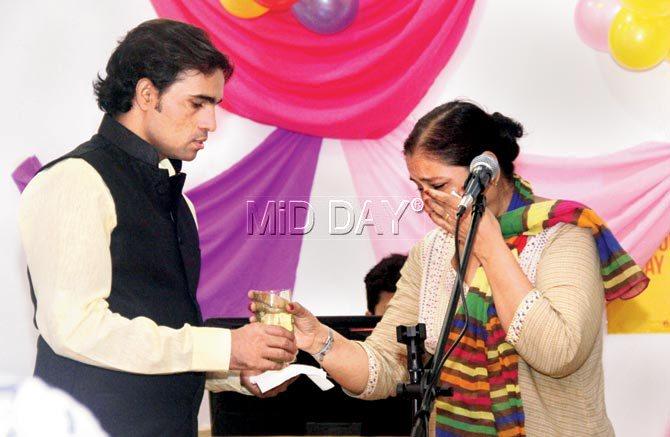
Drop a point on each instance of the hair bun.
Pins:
(508, 132)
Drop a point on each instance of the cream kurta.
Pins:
(66, 218)
(560, 336)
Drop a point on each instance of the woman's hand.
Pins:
(442, 208)
(310, 334)
(346, 362)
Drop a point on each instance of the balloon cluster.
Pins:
(635, 32)
(320, 16)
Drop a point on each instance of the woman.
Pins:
(531, 360)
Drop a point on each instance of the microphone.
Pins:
(483, 169)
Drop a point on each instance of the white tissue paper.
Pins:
(273, 378)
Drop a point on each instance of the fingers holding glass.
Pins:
(270, 307)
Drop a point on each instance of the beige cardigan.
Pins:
(559, 344)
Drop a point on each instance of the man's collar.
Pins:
(129, 142)
(173, 166)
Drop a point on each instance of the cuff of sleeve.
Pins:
(211, 349)
(226, 381)
(373, 375)
(522, 310)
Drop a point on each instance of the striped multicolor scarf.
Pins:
(483, 368)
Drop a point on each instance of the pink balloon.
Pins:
(593, 19)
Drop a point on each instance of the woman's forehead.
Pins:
(425, 167)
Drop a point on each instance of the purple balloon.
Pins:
(325, 16)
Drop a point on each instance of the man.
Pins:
(380, 283)
(112, 246)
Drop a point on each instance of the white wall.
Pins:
(519, 57)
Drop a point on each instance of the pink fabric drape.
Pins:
(378, 171)
(359, 83)
(630, 189)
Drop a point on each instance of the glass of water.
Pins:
(270, 307)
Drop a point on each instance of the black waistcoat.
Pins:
(155, 270)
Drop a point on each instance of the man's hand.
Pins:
(253, 388)
(261, 347)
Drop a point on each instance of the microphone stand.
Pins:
(428, 389)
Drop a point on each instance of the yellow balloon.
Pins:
(655, 8)
(637, 41)
(244, 8)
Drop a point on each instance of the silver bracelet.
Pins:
(327, 346)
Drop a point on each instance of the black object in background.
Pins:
(304, 409)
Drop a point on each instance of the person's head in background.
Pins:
(380, 283)
(163, 82)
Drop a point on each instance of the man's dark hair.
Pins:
(158, 50)
(383, 277)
